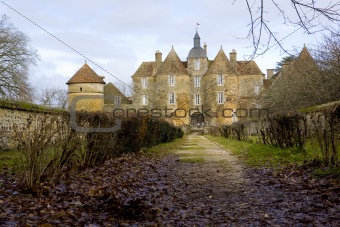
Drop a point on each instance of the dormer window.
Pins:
(197, 64)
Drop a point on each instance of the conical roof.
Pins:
(305, 58)
(172, 64)
(197, 51)
(85, 75)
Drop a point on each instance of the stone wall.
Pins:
(16, 116)
(9, 119)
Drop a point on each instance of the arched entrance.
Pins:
(197, 120)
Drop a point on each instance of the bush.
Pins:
(285, 131)
(48, 145)
(51, 147)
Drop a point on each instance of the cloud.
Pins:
(119, 35)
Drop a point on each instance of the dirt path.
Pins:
(205, 186)
(219, 190)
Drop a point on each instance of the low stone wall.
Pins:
(9, 118)
(15, 114)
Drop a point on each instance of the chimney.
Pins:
(205, 48)
(158, 57)
(270, 73)
(233, 59)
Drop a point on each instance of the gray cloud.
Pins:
(119, 35)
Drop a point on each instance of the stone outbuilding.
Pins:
(86, 90)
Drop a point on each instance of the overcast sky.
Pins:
(119, 35)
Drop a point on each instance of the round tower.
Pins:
(86, 90)
(197, 58)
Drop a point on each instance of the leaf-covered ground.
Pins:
(215, 190)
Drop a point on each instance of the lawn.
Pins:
(256, 155)
(9, 159)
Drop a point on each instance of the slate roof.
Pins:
(197, 51)
(85, 75)
(145, 69)
(172, 64)
(221, 64)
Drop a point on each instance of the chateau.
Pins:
(194, 92)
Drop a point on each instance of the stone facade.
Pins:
(10, 118)
(86, 89)
(219, 88)
(194, 92)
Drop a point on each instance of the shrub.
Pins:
(285, 131)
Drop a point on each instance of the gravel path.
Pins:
(219, 190)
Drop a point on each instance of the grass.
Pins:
(257, 155)
(321, 172)
(164, 148)
(9, 159)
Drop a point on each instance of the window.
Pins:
(144, 82)
(144, 100)
(220, 99)
(197, 64)
(171, 98)
(81, 89)
(220, 80)
(257, 89)
(171, 80)
(197, 81)
(117, 100)
(197, 100)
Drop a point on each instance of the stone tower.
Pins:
(88, 88)
(197, 58)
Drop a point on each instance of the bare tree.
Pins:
(307, 81)
(47, 96)
(61, 98)
(53, 97)
(15, 57)
(327, 56)
(302, 14)
(126, 89)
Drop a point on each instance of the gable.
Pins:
(220, 64)
(111, 90)
(248, 68)
(172, 65)
(145, 69)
